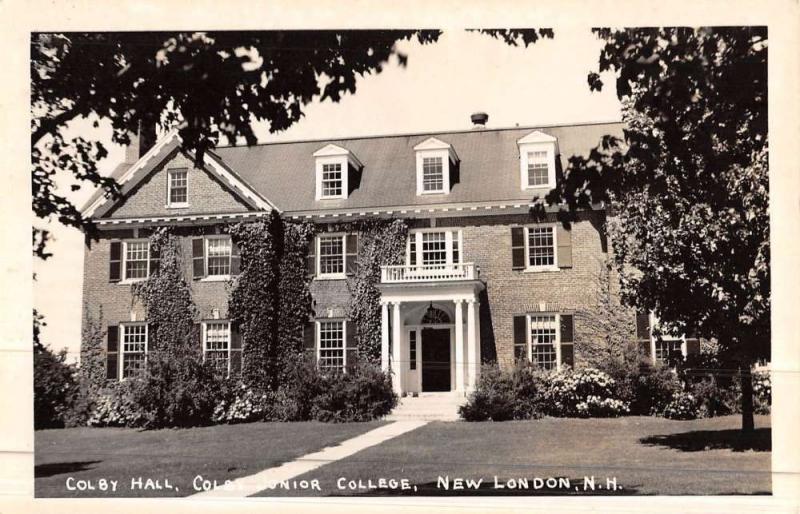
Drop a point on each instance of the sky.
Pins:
(441, 86)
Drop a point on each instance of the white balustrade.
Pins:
(428, 273)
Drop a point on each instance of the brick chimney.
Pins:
(479, 120)
(141, 142)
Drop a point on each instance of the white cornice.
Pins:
(433, 143)
(337, 151)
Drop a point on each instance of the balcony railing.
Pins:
(428, 273)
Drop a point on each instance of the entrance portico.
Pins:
(430, 329)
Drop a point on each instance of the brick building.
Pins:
(484, 277)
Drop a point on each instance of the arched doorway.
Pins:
(436, 357)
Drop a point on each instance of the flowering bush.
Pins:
(363, 393)
(242, 405)
(114, 407)
(583, 393)
(683, 406)
(527, 392)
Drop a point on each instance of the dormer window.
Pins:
(432, 175)
(435, 162)
(334, 166)
(537, 156)
(178, 188)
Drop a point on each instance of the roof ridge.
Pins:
(424, 133)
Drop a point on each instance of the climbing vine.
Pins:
(253, 301)
(383, 242)
(270, 299)
(167, 298)
(295, 307)
(92, 370)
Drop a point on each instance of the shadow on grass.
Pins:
(58, 468)
(760, 440)
(487, 489)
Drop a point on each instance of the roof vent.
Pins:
(479, 119)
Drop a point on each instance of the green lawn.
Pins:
(217, 453)
(645, 455)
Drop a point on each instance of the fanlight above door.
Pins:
(434, 316)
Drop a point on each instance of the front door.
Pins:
(435, 359)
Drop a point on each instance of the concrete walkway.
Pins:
(249, 485)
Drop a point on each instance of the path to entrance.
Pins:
(267, 479)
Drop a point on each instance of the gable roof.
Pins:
(488, 169)
(282, 175)
(129, 175)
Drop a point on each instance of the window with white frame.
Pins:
(137, 259)
(412, 350)
(543, 334)
(134, 349)
(537, 160)
(178, 188)
(218, 256)
(668, 350)
(435, 160)
(217, 345)
(331, 255)
(432, 174)
(541, 247)
(332, 181)
(331, 345)
(434, 248)
(538, 169)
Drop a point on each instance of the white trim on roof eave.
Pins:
(433, 143)
(237, 184)
(537, 136)
(143, 160)
(218, 167)
(332, 150)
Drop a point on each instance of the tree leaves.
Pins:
(212, 85)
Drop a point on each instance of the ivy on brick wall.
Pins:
(382, 242)
(605, 337)
(92, 370)
(270, 299)
(294, 307)
(167, 298)
(253, 301)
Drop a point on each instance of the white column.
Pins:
(473, 341)
(459, 328)
(397, 359)
(384, 336)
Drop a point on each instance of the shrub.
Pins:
(114, 407)
(529, 386)
(655, 388)
(762, 392)
(713, 400)
(583, 393)
(494, 397)
(682, 406)
(240, 404)
(363, 393)
(55, 388)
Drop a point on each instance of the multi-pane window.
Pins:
(668, 350)
(137, 255)
(538, 172)
(432, 174)
(217, 345)
(331, 345)
(178, 187)
(331, 255)
(412, 350)
(544, 338)
(219, 256)
(434, 249)
(134, 349)
(332, 183)
(541, 246)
